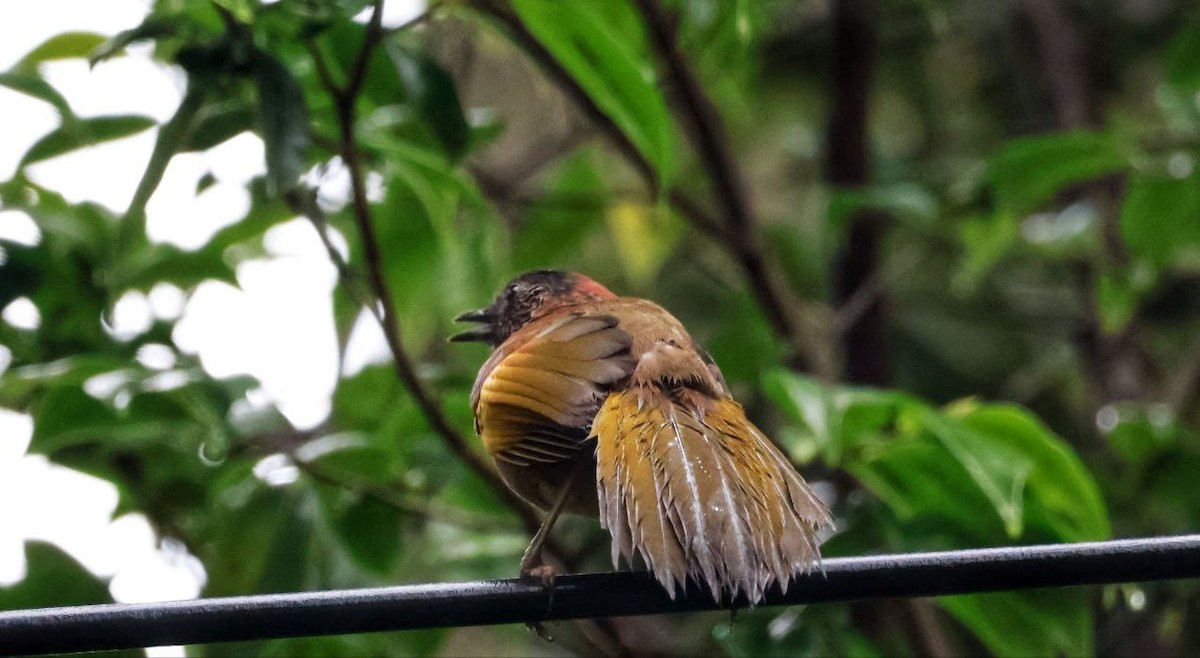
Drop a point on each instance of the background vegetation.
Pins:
(948, 252)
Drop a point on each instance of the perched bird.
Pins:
(604, 405)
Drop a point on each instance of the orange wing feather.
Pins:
(535, 400)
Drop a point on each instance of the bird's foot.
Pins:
(540, 629)
(543, 575)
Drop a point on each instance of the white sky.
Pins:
(276, 324)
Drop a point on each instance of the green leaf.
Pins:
(66, 412)
(986, 240)
(22, 271)
(1160, 215)
(413, 263)
(645, 236)
(432, 91)
(84, 228)
(1137, 438)
(240, 10)
(810, 405)
(356, 462)
(952, 462)
(206, 181)
(238, 545)
(67, 45)
(170, 138)
(837, 420)
(937, 502)
(610, 66)
(1117, 303)
(550, 235)
(743, 345)
(78, 133)
(1027, 172)
(284, 126)
(997, 468)
(148, 264)
(32, 85)
(286, 563)
(52, 578)
(151, 28)
(1038, 623)
(217, 122)
(1060, 486)
(905, 201)
(1183, 58)
(370, 531)
(358, 400)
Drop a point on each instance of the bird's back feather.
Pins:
(687, 482)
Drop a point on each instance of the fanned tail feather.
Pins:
(689, 484)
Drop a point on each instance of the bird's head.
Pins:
(526, 298)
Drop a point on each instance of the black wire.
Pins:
(119, 626)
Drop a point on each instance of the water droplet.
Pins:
(1137, 600)
(1107, 418)
(1180, 165)
(1160, 416)
(214, 449)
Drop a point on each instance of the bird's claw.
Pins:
(542, 575)
(541, 630)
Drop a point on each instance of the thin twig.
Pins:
(303, 202)
(324, 74)
(736, 234)
(703, 124)
(697, 215)
(707, 133)
(384, 311)
(566, 82)
(870, 290)
(358, 72)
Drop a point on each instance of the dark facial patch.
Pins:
(518, 303)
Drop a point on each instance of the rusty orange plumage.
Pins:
(604, 405)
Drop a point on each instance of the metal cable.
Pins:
(118, 626)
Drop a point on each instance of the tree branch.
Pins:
(864, 332)
(384, 310)
(702, 122)
(707, 134)
(566, 83)
(305, 204)
(736, 234)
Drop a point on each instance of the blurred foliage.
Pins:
(1041, 272)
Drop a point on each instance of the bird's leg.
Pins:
(531, 562)
(532, 567)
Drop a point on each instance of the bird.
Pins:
(596, 404)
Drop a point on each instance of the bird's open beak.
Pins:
(482, 333)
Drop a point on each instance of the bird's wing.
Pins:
(536, 397)
(690, 484)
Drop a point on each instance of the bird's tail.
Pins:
(690, 484)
